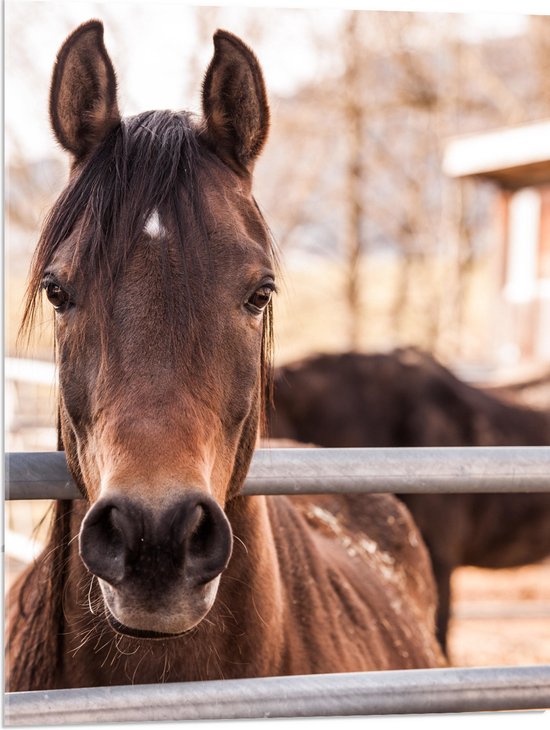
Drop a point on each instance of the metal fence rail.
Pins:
(409, 691)
(316, 471)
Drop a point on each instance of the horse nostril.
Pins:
(202, 535)
(103, 542)
(207, 539)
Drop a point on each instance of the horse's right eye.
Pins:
(57, 296)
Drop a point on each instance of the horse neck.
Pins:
(253, 575)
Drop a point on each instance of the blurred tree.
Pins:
(354, 113)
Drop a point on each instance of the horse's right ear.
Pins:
(83, 99)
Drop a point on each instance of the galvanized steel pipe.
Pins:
(412, 691)
(317, 471)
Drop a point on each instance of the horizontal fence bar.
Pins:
(40, 372)
(411, 691)
(44, 475)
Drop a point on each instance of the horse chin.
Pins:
(126, 618)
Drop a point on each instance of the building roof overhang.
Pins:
(512, 157)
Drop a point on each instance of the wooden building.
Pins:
(517, 161)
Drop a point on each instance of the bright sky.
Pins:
(153, 54)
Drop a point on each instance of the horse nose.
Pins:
(123, 541)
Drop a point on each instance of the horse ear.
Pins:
(83, 99)
(234, 102)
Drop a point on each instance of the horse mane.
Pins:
(35, 617)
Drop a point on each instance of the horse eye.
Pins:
(260, 299)
(57, 296)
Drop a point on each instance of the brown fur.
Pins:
(163, 362)
(406, 398)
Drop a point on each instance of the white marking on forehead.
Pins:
(153, 226)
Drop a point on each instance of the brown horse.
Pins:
(406, 398)
(159, 267)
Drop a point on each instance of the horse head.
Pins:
(158, 264)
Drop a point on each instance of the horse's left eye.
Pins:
(57, 296)
(260, 299)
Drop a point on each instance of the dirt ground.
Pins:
(501, 617)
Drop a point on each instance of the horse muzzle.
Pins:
(158, 568)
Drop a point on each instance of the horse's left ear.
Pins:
(234, 103)
(83, 95)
